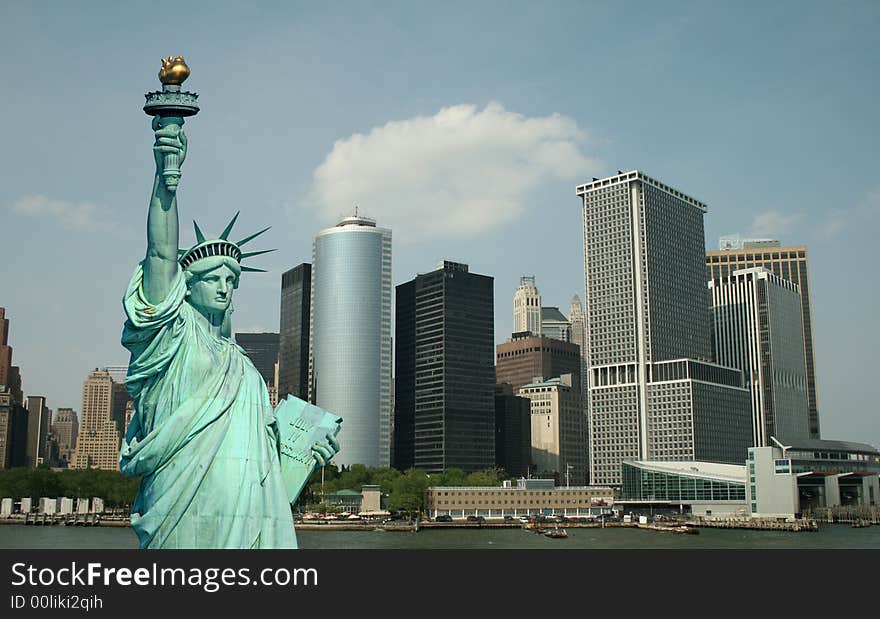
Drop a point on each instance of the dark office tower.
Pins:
(513, 432)
(14, 384)
(525, 356)
(444, 375)
(293, 357)
(37, 429)
(405, 375)
(789, 263)
(6, 413)
(262, 349)
(13, 430)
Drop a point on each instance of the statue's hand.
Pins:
(323, 451)
(170, 139)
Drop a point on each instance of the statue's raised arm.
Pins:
(160, 264)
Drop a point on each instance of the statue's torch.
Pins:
(171, 105)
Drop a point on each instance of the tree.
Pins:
(489, 477)
(408, 492)
(384, 478)
(355, 477)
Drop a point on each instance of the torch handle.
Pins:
(171, 161)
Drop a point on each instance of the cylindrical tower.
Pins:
(350, 339)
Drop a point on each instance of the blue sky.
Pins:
(463, 126)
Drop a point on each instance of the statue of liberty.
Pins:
(219, 467)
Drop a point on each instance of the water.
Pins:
(828, 537)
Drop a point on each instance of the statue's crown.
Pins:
(205, 248)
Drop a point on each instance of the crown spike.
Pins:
(225, 234)
(252, 237)
(199, 236)
(253, 270)
(256, 253)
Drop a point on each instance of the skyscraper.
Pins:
(293, 346)
(37, 429)
(13, 416)
(445, 375)
(558, 430)
(121, 396)
(6, 422)
(789, 263)
(578, 336)
(5, 349)
(576, 319)
(523, 357)
(97, 445)
(653, 393)
(13, 430)
(513, 431)
(350, 337)
(554, 324)
(65, 427)
(757, 327)
(527, 306)
(262, 350)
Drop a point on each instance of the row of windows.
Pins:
(748, 257)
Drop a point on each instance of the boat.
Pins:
(556, 533)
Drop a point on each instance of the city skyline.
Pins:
(794, 95)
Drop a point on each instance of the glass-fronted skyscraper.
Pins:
(293, 338)
(653, 390)
(789, 263)
(350, 343)
(756, 326)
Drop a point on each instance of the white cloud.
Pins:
(870, 206)
(774, 224)
(82, 215)
(837, 221)
(457, 173)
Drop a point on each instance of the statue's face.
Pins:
(211, 292)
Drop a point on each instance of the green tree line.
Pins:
(112, 486)
(403, 491)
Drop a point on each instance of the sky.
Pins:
(462, 126)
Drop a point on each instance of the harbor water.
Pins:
(837, 536)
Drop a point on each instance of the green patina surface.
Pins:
(218, 466)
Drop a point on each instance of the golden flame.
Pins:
(174, 71)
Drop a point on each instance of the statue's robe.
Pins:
(203, 436)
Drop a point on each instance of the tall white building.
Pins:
(350, 337)
(757, 326)
(527, 306)
(654, 394)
